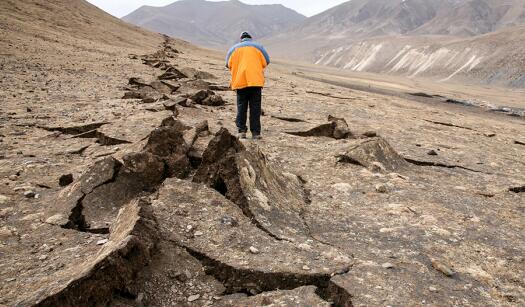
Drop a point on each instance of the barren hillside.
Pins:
(215, 24)
(122, 182)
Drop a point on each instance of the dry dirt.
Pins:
(391, 201)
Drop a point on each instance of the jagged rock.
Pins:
(214, 101)
(370, 152)
(172, 85)
(75, 129)
(172, 73)
(302, 296)
(168, 143)
(278, 266)
(274, 201)
(170, 105)
(93, 282)
(137, 82)
(146, 94)
(341, 130)
(200, 96)
(182, 101)
(200, 130)
(161, 87)
(196, 74)
(337, 128)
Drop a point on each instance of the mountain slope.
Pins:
(214, 24)
(492, 58)
(79, 19)
(441, 39)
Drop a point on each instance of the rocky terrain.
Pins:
(122, 182)
(214, 24)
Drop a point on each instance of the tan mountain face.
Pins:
(425, 38)
(215, 24)
(122, 181)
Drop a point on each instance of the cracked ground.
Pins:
(352, 198)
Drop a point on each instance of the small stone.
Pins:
(46, 248)
(230, 221)
(490, 134)
(254, 250)
(3, 199)
(102, 242)
(442, 268)
(13, 177)
(387, 265)
(198, 233)
(432, 289)
(432, 153)
(381, 188)
(56, 219)
(193, 298)
(42, 258)
(189, 228)
(306, 268)
(29, 194)
(10, 279)
(65, 180)
(5, 233)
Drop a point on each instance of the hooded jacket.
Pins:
(247, 61)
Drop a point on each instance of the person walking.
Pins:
(247, 61)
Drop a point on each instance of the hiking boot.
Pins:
(256, 137)
(242, 135)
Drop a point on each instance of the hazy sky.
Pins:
(121, 8)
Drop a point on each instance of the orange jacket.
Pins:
(247, 61)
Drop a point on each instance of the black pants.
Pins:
(249, 98)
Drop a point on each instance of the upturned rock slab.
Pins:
(273, 200)
(374, 153)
